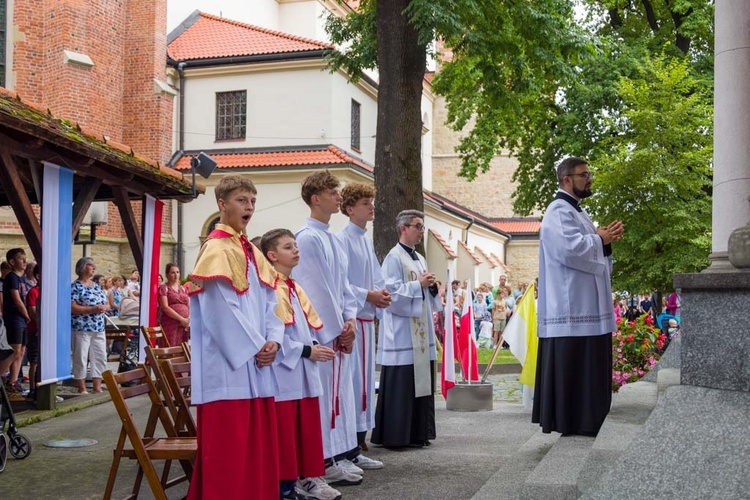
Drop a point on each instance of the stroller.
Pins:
(18, 444)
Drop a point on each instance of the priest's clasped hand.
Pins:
(611, 232)
(427, 279)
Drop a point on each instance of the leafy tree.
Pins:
(530, 44)
(527, 77)
(655, 174)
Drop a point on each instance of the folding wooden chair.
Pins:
(154, 336)
(186, 346)
(112, 337)
(154, 356)
(177, 375)
(146, 447)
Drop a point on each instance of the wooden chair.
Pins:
(154, 356)
(112, 337)
(155, 336)
(186, 346)
(146, 447)
(177, 374)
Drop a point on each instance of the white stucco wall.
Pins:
(285, 107)
(306, 19)
(258, 12)
(342, 93)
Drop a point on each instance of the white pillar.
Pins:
(731, 187)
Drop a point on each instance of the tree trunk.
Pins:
(398, 146)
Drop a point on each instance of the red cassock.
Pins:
(237, 451)
(300, 439)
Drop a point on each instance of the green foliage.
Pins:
(655, 174)
(628, 87)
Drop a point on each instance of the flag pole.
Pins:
(492, 360)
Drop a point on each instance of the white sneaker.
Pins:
(316, 487)
(367, 463)
(349, 467)
(337, 475)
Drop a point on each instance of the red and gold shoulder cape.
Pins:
(284, 309)
(225, 255)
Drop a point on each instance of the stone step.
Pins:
(507, 481)
(556, 476)
(631, 407)
(667, 377)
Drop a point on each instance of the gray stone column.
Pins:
(731, 188)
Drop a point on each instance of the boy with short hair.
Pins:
(322, 271)
(235, 335)
(16, 318)
(297, 407)
(366, 281)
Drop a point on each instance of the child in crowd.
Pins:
(297, 407)
(32, 347)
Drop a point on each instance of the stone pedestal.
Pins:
(476, 396)
(715, 330)
(731, 179)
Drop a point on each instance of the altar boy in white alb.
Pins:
(322, 273)
(575, 317)
(405, 414)
(366, 281)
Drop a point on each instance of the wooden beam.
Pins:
(83, 201)
(19, 201)
(128, 221)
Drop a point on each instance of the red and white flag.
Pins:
(448, 368)
(467, 343)
(152, 212)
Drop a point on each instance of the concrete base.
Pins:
(470, 397)
(715, 330)
(693, 446)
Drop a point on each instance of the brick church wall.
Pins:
(116, 97)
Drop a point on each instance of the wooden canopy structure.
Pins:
(103, 170)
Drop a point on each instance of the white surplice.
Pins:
(364, 275)
(227, 331)
(322, 273)
(575, 297)
(298, 377)
(409, 301)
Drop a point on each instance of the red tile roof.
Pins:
(316, 155)
(473, 255)
(519, 225)
(443, 244)
(487, 257)
(212, 37)
(497, 259)
(451, 206)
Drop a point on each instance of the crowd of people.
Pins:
(94, 297)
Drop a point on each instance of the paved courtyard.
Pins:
(477, 455)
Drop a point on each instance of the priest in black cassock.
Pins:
(575, 316)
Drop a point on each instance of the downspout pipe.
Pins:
(466, 231)
(181, 147)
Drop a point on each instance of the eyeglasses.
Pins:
(419, 227)
(585, 175)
